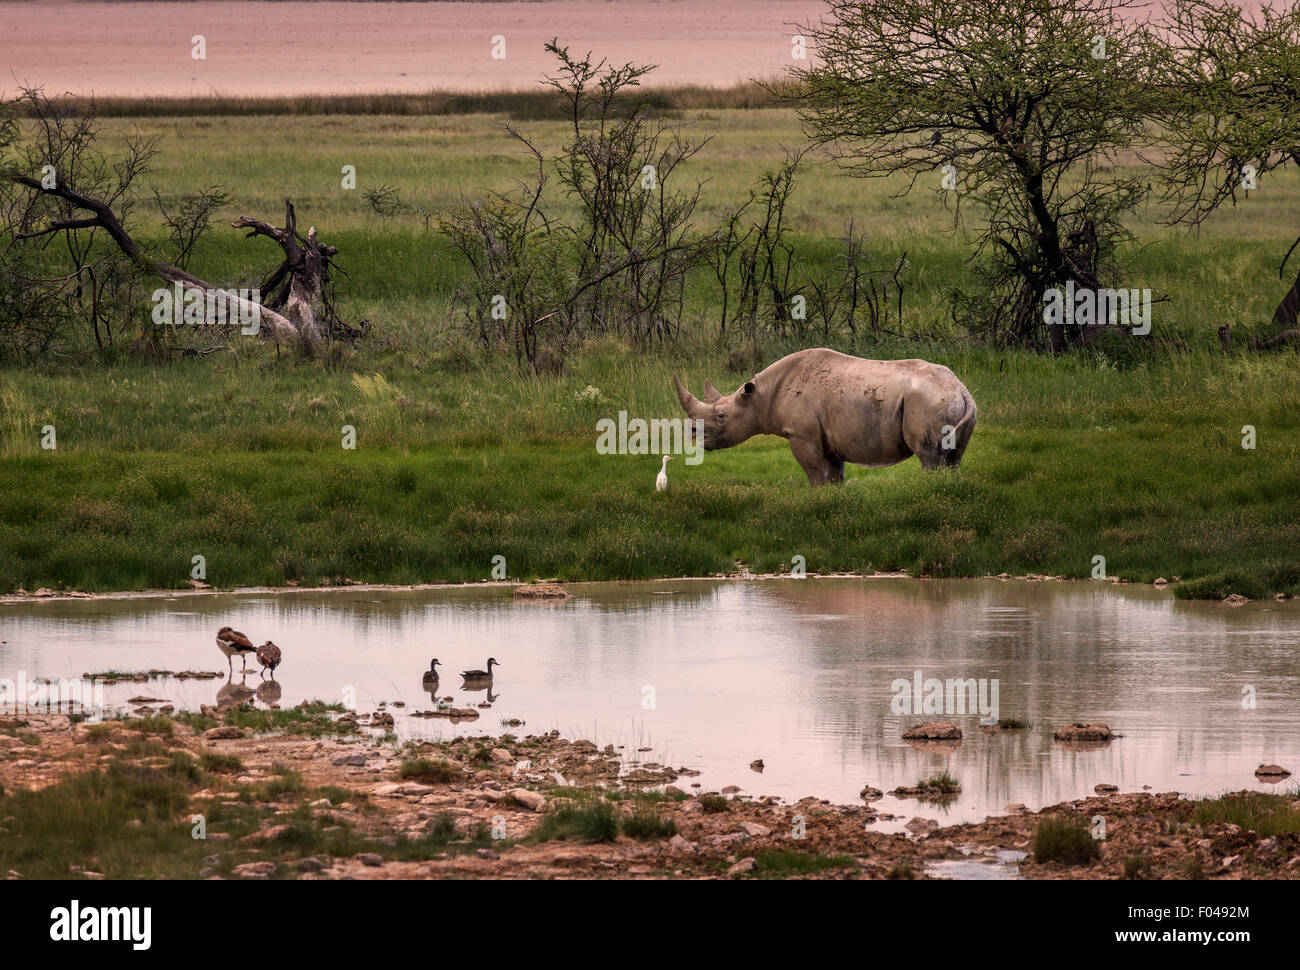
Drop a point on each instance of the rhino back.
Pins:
(867, 410)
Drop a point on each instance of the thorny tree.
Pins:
(621, 265)
(1231, 114)
(1024, 106)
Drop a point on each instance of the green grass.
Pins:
(1259, 812)
(595, 821)
(1137, 867)
(83, 821)
(779, 863)
(220, 764)
(940, 784)
(1064, 840)
(429, 771)
(1132, 454)
(647, 822)
(314, 719)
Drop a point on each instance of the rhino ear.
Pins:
(711, 393)
(748, 389)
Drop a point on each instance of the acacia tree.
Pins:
(1020, 107)
(1231, 112)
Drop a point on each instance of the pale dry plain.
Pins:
(253, 48)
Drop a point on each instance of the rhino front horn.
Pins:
(690, 403)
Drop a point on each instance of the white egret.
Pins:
(661, 482)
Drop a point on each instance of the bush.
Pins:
(1063, 840)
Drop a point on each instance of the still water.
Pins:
(798, 673)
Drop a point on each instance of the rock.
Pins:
(728, 838)
(266, 834)
(870, 794)
(529, 799)
(224, 733)
(1160, 583)
(1235, 599)
(933, 731)
(1271, 771)
(501, 756)
(748, 864)
(309, 864)
(355, 760)
(1016, 808)
(541, 591)
(254, 870)
(679, 844)
(1079, 731)
(370, 859)
(383, 791)
(753, 828)
(922, 827)
(692, 807)
(1104, 789)
(757, 765)
(731, 790)
(487, 854)
(672, 791)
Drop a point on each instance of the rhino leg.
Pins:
(820, 468)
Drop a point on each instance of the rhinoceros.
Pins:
(834, 408)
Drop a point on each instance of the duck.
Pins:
(661, 482)
(232, 642)
(431, 675)
(268, 655)
(481, 674)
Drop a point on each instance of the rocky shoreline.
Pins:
(323, 799)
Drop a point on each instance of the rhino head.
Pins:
(726, 420)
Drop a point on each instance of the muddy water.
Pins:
(801, 674)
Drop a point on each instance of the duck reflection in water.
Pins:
(268, 692)
(231, 694)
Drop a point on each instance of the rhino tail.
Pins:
(961, 413)
(946, 438)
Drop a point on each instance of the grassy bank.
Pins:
(1131, 451)
(241, 462)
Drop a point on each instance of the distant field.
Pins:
(404, 276)
(1133, 453)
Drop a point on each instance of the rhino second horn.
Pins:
(711, 394)
(690, 403)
